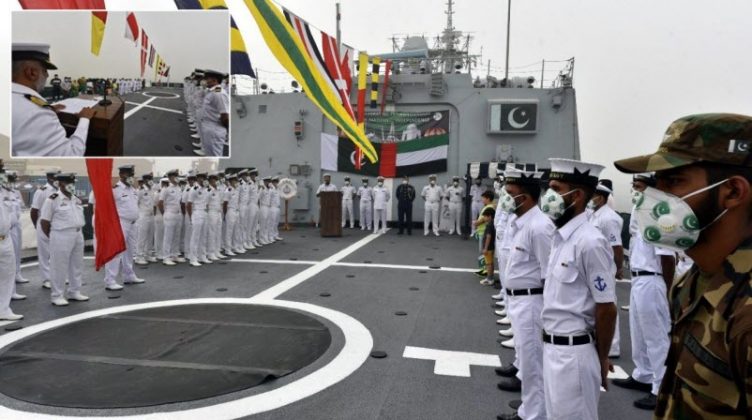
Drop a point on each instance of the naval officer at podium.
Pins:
(37, 131)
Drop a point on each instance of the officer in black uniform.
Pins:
(405, 197)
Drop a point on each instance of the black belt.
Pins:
(567, 340)
(644, 273)
(525, 292)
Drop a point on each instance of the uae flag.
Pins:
(406, 143)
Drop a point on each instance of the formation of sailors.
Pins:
(207, 98)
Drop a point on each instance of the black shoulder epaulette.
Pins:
(218, 89)
(53, 196)
(37, 101)
(195, 188)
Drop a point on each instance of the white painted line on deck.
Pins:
(404, 267)
(138, 108)
(260, 261)
(452, 363)
(618, 373)
(156, 107)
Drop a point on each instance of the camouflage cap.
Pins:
(718, 138)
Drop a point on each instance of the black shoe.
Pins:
(647, 403)
(632, 383)
(508, 371)
(510, 384)
(515, 404)
(512, 416)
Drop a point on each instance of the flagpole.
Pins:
(509, 22)
(339, 32)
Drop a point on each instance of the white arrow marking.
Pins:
(452, 363)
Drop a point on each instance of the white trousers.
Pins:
(198, 236)
(43, 252)
(431, 215)
(213, 138)
(379, 215)
(572, 381)
(187, 231)
(158, 235)
(475, 208)
(253, 222)
(649, 324)
(244, 220)
(232, 233)
(275, 214)
(7, 275)
(123, 262)
(145, 234)
(214, 233)
(366, 214)
(171, 238)
(16, 237)
(525, 312)
(264, 224)
(347, 209)
(66, 258)
(455, 211)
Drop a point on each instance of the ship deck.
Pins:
(355, 285)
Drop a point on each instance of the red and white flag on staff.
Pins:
(336, 72)
(131, 27)
(144, 50)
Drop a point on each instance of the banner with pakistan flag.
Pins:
(407, 143)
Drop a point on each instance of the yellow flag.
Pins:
(98, 20)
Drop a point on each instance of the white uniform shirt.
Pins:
(41, 195)
(432, 194)
(348, 191)
(476, 191)
(37, 130)
(253, 193)
(4, 222)
(232, 197)
(244, 190)
(199, 199)
(326, 188)
(529, 250)
(609, 223)
(579, 275)
(170, 197)
(275, 201)
(265, 198)
(215, 200)
(63, 212)
(380, 198)
(365, 194)
(10, 205)
(126, 201)
(642, 255)
(455, 194)
(215, 103)
(145, 200)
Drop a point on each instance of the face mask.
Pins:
(150, 183)
(668, 221)
(507, 203)
(497, 185)
(433, 183)
(205, 183)
(56, 184)
(71, 188)
(636, 196)
(456, 183)
(553, 204)
(129, 180)
(381, 184)
(404, 182)
(591, 205)
(347, 183)
(203, 83)
(365, 184)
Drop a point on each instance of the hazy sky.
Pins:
(185, 41)
(639, 63)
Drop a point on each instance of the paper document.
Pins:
(75, 105)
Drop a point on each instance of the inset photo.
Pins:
(136, 84)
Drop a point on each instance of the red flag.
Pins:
(334, 68)
(144, 50)
(386, 85)
(63, 4)
(109, 235)
(131, 27)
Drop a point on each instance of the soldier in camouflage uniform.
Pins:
(703, 204)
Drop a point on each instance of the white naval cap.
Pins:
(605, 185)
(519, 177)
(33, 51)
(575, 171)
(164, 180)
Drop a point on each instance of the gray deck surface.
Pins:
(450, 311)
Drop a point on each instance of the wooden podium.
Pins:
(330, 217)
(105, 129)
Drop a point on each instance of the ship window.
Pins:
(262, 109)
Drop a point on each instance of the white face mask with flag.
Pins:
(553, 204)
(507, 203)
(668, 221)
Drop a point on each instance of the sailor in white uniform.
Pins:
(215, 120)
(381, 197)
(126, 201)
(62, 219)
(15, 229)
(214, 219)
(327, 186)
(244, 191)
(7, 256)
(579, 314)
(432, 197)
(609, 223)
(456, 195)
(145, 223)
(275, 209)
(476, 203)
(348, 192)
(365, 193)
(524, 278)
(652, 270)
(169, 206)
(265, 200)
(37, 131)
(159, 219)
(198, 200)
(252, 241)
(231, 208)
(185, 189)
(43, 241)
